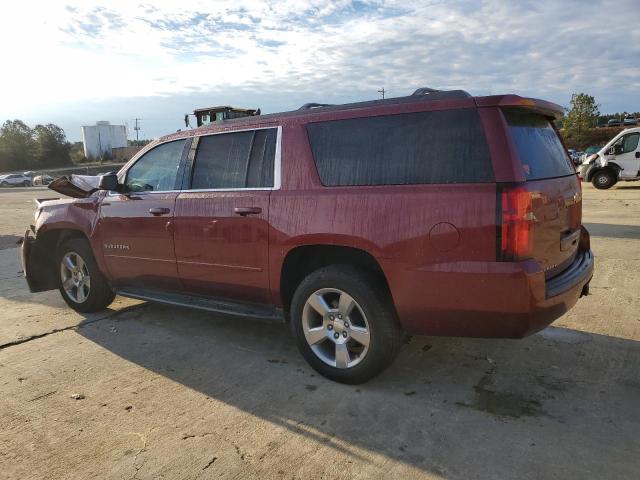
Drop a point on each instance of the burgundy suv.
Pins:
(433, 214)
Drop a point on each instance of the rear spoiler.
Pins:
(543, 107)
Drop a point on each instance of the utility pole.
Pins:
(382, 92)
(137, 129)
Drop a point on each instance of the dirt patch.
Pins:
(503, 404)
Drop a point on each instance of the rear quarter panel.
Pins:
(416, 232)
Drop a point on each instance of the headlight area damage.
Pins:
(40, 244)
(76, 186)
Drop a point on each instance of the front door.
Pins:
(627, 155)
(136, 226)
(221, 223)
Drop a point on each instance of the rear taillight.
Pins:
(515, 224)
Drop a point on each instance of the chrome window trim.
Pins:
(277, 166)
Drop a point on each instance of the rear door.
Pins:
(555, 190)
(222, 230)
(135, 227)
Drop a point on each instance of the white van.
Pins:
(618, 160)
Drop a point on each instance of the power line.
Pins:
(382, 92)
(137, 128)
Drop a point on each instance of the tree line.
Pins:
(25, 148)
(581, 119)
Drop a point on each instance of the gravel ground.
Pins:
(146, 391)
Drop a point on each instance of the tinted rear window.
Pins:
(414, 148)
(539, 148)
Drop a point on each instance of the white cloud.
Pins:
(58, 53)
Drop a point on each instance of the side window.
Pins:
(413, 148)
(235, 160)
(156, 170)
(630, 142)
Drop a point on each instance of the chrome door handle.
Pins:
(243, 211)
(159, 211)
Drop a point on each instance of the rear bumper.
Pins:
(489, 299)
(579, 272)
(37, 265)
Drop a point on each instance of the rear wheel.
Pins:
(26, 183)
(344, 323)
(82, 284)
(603, 179)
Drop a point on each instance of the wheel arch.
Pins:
(611, 167)
(300, 261)
(42, 268)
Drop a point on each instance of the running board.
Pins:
(223, 307)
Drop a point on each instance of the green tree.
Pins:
(581, 117)
(17, 146)
(52, 148)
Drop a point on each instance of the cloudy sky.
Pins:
(73, 63)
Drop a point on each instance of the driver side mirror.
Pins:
(108, 181)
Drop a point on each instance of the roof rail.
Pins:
(432, 92)
(308, 106)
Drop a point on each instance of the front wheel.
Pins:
(344, 323)
(603, 179)
(82, 284)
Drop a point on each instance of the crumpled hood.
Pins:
(76, 186)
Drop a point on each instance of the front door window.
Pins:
(157, 170)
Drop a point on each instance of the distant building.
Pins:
(101, 138)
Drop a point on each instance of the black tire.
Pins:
(603, 179)
(374, 300)
(99, 294)
(26, 183)
(4, 184)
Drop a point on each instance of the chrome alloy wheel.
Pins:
(74, 274)
(336, 328)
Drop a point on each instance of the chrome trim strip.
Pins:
(130, 257)
(221, 265)
(277, 165)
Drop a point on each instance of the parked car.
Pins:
(618, 160)
(614, 122)
(42, 179)
(15, 180)
(574, 155)
(433, 214)
(629, 121)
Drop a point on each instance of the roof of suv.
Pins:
(420, 95)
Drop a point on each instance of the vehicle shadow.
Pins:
(9, 241)
(631, 232)
(561, 403)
